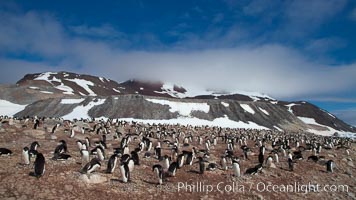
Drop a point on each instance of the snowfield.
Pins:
(82, 111)
(183, 108)
(222, 122)
(8, 108)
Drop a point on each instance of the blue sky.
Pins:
(291, 50)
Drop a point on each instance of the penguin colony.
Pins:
(173, 147)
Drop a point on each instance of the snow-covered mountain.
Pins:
(70, 95)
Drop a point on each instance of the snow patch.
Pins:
(225, 104)
(118, 91)
(8, 108)
(84, 84)
(82, 111)
(34, 88)
(279, 129)
(290, 107)
(183, 108)
(101, 79)
(309, 121)
(141, 88)
(263, 110)
(71, 101)
(46, 92)
(247, 108)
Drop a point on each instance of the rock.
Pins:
(68, 188)
(351, 164)
(352, 195)
(93, 178)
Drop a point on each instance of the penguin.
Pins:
(4, 151)
(125, 172)
(212, 166)
(126, 150)
(33, 148)
(189, 160)
(254, 170)
(37, 124)
(125, 158)
(60, 149)
(290, 164)
(79, 144)
(85, 156)
(166, 162)
(180, 160)
(55, 128)
(159, 172)
(269, 161)
(131, 164)
(91, 166)
(62, 156)
(135, 157)
(276, 158)
(261, 158)
(87, 142)
(236, 168)
(100, 153)
(39, 165)
(223, 163)
(173, 168)
(158, 152)
(26, 156)
(72, 133)
(111, 164)
(201, 165)
(330, 166)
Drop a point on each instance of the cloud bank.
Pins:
(33, 42)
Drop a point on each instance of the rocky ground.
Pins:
(62, 179)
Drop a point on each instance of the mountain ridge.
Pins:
(43, 95)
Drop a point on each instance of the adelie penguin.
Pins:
(91, 166)
(254, 170)
(173, 169)
(39, 165)
(223, 163)
(125, 172)
(111, 164)
(26, 156)
(59, 152)
(290, 164)
(5, 152)
(33, 148)
(201, 165)
(135, 158)
(330, 166)
(158, 170)
(236, 168)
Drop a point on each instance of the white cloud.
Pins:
(274, 69)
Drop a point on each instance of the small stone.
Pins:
(68, 188)
(351, 164)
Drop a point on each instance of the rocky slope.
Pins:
(89, 96)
